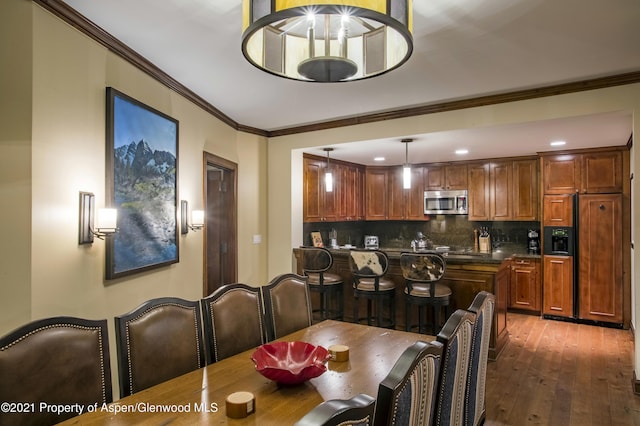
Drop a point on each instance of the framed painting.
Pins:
(142, 182)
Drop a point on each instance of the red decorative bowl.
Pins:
(290, 363)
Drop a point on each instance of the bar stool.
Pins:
(316, 262)
(421, 272)
(368, 268)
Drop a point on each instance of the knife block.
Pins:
(485, 244)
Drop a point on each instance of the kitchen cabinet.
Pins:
(594, 172)
(600, 277)
(376, 183)
(558, 286)
(503, 190)
(445, 176)
(525, 284)
(558, 210)
(388, 200)
(351, 206)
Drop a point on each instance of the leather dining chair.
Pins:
(407, 396)
(157, 341)
(356, 411)
(287, 305)
(329, 286)
(456, 338)
(482, 306)
(421, 272)
(369, 282)
(59, 361)
(233, 320)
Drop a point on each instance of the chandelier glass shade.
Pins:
(327, 40)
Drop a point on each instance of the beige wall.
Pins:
(53, 146)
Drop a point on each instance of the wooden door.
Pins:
(478, 192)
(602, 172)
(525, 285)
(600, 258)
(558, 210)
(557, 286)
(500, 194)
(525, 190)
(376, 193)
(561, 174)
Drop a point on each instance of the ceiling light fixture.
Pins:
(406, 169)
(378, 159)
(462, 151)
(557, 143)
(317, 40)
(328, 176)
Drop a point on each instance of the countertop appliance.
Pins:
(445, 202)
(371, 242)
(533, 241)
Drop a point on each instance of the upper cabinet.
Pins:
(588, 173)
(386, 198)
(445, 176)
(503, 190)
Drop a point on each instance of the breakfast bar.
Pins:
(466, 274)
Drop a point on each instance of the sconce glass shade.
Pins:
(328, 181)
(321, 41)
(197, 218)
(103, 225)
(106, 221)
(406, 177)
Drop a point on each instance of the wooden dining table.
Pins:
(199, 397)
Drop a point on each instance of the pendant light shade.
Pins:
(406, 169)
(328, 176)
(323, 41)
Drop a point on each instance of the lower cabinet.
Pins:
(525, 284)
(558, 286)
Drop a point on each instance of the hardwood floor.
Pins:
(561, 373)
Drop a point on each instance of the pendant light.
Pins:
(406, 169)
(328, 176)
(326, 40)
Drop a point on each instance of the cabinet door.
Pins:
(525, 285)
(348, 208)
(360, 193)
(456, 176)
(478, 192)
(376, 194)
(434, 177)
(600, 258)
(396, 200)
(561, 174)
(602, 172)
(558, 210)
(557, 286)
(332, 200)
(525, 190)
(414, 206)
(500, 194)
(313, 199)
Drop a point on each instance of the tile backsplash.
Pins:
(455, 231)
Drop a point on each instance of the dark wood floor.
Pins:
(561, 373)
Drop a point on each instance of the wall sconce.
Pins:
(105, 223)
(197, 218)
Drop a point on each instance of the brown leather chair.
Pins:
(159, 340)
(233, 320)
(369, 282)
(287, 305)
(316, 263)
(421, 272)
(59, 360)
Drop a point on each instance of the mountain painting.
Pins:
(142, 148)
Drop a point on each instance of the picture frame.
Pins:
(141, 183)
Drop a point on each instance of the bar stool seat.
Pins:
(369, 282)
(329, 286)
(421, 272)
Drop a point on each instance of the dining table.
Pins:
(198, 397)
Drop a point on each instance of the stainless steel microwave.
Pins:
(445, 202)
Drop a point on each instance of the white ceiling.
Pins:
(462, 49)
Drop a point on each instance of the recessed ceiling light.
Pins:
(557, 143)
(462, 151)
(379, 159)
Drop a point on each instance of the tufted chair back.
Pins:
(287, 305)
(59, 360)
(483, 306)
(233, 320)
(159, 340)
(407, 396)
(456, 337)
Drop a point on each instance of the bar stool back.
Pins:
(329, 286)
(421, 272)
(368, 268)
